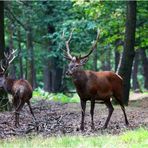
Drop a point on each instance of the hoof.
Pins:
(17, 125)
(82, 128)
(77, 129)
(93, 127)
(104, 127)
(127, 123)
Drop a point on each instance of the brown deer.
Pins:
(94, 86)
(20, 89)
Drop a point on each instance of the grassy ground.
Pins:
(137, 138)
(74, 98)
(129, 139)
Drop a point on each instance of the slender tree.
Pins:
(31, 76)
(2, 41)
(48, 66)
(53, 72)
(12, 71)
(129, 52)
(20, 54)
(3, 95)
(118, 43)
(135, 83)
(145, 66)
(95, 57)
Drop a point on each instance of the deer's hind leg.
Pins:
(110, 109)
(123, 109)
(17, 111)
(92, 114)
(29, 105)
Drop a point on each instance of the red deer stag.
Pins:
(94, 86)
(20, 89)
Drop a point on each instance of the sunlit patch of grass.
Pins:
(62, 142)
(60, 97)
(138, 138)
(145, 91)
(57, 97)
(130, 139)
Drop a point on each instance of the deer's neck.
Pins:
(8, 85)
(79, 78)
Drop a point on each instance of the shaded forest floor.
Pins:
(56, 119)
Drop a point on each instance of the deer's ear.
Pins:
(83, 61)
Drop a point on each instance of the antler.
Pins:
(94, 45)
(9, 57)
(2, 68)
(67, 51)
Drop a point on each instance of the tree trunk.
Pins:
(128, 53)
(118, 55)
(95, 57)
(145, 67)
(31, 76)
(63, 81)
(52, 72)
(20, 55)
(117, 59)
(135, 72)
(53, 76)
(106, 63)
(2, 41)
(12, 69)
(108, 59)
(47, 76)
(56, 75)
(4, 101)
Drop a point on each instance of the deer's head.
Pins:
(4, 64)
(77, 62)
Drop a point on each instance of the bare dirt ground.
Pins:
(56, 119)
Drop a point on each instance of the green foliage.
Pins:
(60, 97)
(57, 97)
(135, 139)
(85, 16)
(138, 138)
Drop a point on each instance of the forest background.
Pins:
(35, 29)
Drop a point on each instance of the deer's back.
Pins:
(99, 85)
(111, 82)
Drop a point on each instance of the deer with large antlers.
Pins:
(20, 89)
(94, 86)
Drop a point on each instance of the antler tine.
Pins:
(10, 56)
(70, 35)
(67, 44)
(68, 50)
(13, 51)
(94, 45)
(6, 55)
(12, 59)
(3, 69)
(13, 56)
(63, 37)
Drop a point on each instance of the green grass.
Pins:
(129, 139)
(57, 97)
(39, 93)
(137, 138)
